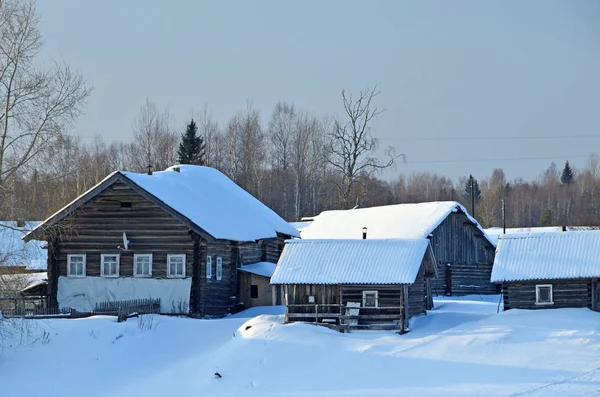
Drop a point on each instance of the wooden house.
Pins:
(549, 270)
(372, 284)
(255, 285)
(16, 255)
(179, 235)
(464, 253)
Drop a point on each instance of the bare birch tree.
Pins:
(37, 104)
(350, 150)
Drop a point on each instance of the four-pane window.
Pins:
(142, 265)
(370, 299)
(76, 265)
(109, 265)
(543, 294)
(176, 265)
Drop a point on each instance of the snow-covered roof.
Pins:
(545, 256)
(16, 252)
(394, 261)
(209, 199)
(494, 233)
(300, 225)
(264, 269)
(389, 221)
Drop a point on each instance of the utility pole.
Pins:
(472, 196)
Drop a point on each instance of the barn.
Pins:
(464, 253)
(356, 284)
(180, 235)
(549, 270)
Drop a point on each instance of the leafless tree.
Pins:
(350, 150)
(154, 141)
(37, 104)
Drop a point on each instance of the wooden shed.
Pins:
(464, 253)
(177, 235)
(549, 270)
(354, 284)
(255, 285)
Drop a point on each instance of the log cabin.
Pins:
(179, 235)
(464, 253)
(356, 284)
(549, 270)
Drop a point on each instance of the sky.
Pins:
(467, 86)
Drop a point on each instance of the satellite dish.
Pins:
(125, 241)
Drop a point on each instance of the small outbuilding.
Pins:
(356, 284)
(549, 270)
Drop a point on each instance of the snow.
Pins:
(389, 221)
(300, 225)
(371, 261)
(462, 348)
(545, 256)
(214, 203)
(210, 200)
(82, 293)
(264, 269)
(495, 233)
(31, 255)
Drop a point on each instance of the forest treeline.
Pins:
(284, 163)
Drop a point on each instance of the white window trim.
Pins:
(537, 295)
(169, 275)
(69, 256)
(219, 268)
(135, 273)
(364, 299)
(102, 265)
(208, 266)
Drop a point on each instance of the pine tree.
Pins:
(476, 191)
(567, 175)
(192, 149)
(547, 218)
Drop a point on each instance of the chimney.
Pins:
(176, 169)
(20, 222)
(364, 233)
(564, 228)
(149, 169)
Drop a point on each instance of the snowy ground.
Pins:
(462, 348)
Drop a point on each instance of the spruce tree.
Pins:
(567, 175)
(192, 149)
(476, 191)
(547, 218)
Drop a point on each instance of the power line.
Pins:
(489, 138)
(494, 159)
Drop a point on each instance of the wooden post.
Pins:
(341, 321)
(286, 303)
(316, 313)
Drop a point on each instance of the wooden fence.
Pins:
(346, 318)
(30, 307)
(127, 307)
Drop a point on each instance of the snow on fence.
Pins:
(127, 307)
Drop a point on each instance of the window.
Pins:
(254, 291)
(76, 265)
(142, 265)
(176, 265)
(370, 299)
(125, 204)
(208, 266)
(109, 265)
(219, 268)
(543, 294)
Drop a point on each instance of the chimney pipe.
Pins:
(20, 222)
(149, 169)
(564, 228)
(364, 233)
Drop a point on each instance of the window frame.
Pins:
(364, 298)
(83, 266)
(169, 256)
(102, 265)
(537, 294)
(219, 268)
(208, 267)
(135, 272)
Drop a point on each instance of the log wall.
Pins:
(457, 242)
(565, 293)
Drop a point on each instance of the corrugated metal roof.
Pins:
(394, 261)
(416, 220)
(264, 269)
(495, 233)
(545, 256)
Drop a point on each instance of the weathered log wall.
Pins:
(565, 293)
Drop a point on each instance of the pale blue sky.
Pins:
(446, 69)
